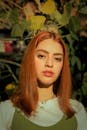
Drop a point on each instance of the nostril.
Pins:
(49, 63)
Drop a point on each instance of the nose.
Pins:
(49, 62)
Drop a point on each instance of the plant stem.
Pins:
(10, 62)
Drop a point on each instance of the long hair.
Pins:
(27, 98)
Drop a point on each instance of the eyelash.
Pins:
(41, 56)
(58, 59)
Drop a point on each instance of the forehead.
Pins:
(50, 45)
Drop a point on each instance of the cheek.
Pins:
(58, 69)
(38, 65)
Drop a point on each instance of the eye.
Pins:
(41, 56)
(58, 59)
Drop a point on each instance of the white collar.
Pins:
(48, 113)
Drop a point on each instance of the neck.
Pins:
(45, 93)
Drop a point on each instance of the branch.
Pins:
(10, 62)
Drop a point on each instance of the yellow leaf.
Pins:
(49, 7)
(36, 22)
(9, 86)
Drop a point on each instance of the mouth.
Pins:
(48, 73)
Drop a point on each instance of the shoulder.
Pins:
(6, 106)
(77, 106)
(81, 114)
(6, 112)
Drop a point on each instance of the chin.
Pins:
(44, 84)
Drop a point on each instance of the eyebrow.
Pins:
(41, 50)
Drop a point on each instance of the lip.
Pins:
(48, 73)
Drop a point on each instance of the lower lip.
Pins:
(48, 74)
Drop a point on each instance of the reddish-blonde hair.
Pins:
(27, 98)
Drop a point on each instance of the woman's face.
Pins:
(48, 61)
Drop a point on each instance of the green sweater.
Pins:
(21, 123)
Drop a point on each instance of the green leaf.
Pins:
(83, 10)
(74, 35)
(57, 16)
(17, 30)
(76, 60)
(68, 8)
(62, 19)
(74, 24)
(70, 40)
(3, 15)
(84, 89)
(14, 16)
(85, 74)
(73, 61)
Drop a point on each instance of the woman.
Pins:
(43, 101)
